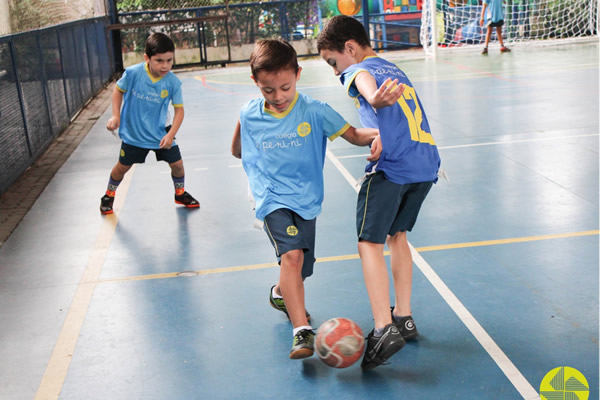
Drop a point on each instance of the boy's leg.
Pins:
(293, 240)
(116, 176)
(292, 286)
(402, 267)
(503, 48)
(376, 281)
(178, 176)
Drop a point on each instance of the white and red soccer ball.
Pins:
(340, 342)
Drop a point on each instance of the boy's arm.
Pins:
(167, 140)
(482, 14)
(117, 99)
(365, 137)
(386, 95)
(236, 142)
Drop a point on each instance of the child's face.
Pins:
(159, 64)
(277, 87)
(338, 61)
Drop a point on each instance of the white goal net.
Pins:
(456, 22)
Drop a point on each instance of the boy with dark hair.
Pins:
(145, 91)
(281, 139)
(495, 19)
(395, 186)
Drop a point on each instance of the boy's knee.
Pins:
(177, 168)
(293, 259)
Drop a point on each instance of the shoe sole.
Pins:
(301, 353)
(188, 205)
(106, 212)
(411, 336)
(384, 356)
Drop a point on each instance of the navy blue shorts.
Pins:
(386, 208)
(130, 154)
(289, 231)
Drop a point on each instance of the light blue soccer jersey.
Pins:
(283, 154)
(409, 153)
(494, 10)
(145, 104)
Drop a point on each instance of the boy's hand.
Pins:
(375, 149)
(387, 94)
(113, 123)
(166, 142)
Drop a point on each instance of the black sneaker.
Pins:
(406, 325)
(379, 349)
(484, 51)
(279, 304)
(187, 200)
(106, 204)
(303, 345)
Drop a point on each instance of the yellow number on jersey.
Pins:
(414, 119)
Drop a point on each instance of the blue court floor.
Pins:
(162, 302)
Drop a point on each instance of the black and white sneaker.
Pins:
(379, 349)
(406, 325)
(303, 345)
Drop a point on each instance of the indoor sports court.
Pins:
(162, 302)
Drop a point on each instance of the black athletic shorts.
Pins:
(495, 24)
(289, 231)
(386, 208)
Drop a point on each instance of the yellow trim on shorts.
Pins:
(272, 238)
(366, 203)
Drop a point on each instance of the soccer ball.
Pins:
(340, 342)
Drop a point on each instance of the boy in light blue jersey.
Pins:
(281, 139)
(145, 91)
(395, 186)
(495, 19)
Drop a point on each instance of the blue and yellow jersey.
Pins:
(145, 104)
(283, 153)
(409, 153)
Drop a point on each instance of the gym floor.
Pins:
(161, 302)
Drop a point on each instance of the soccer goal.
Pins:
(455, 23)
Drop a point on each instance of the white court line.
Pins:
(60, 360)
(460, 146)
(507, 367)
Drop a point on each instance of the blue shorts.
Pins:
(386, 208)
(289, 231)
(130, 154)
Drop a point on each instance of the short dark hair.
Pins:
(273, 55)
(159, 43)
(339, 30)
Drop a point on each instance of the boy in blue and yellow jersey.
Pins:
(395, 186)
(281, 139)
(145, 91)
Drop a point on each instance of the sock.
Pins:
(179, 184)
(112, 187)
(398, 318)
(298, 329)
(378, 332)
(275, 295)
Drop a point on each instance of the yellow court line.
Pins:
(60, 360)
(354, 256)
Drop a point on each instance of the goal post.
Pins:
(455, 23)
